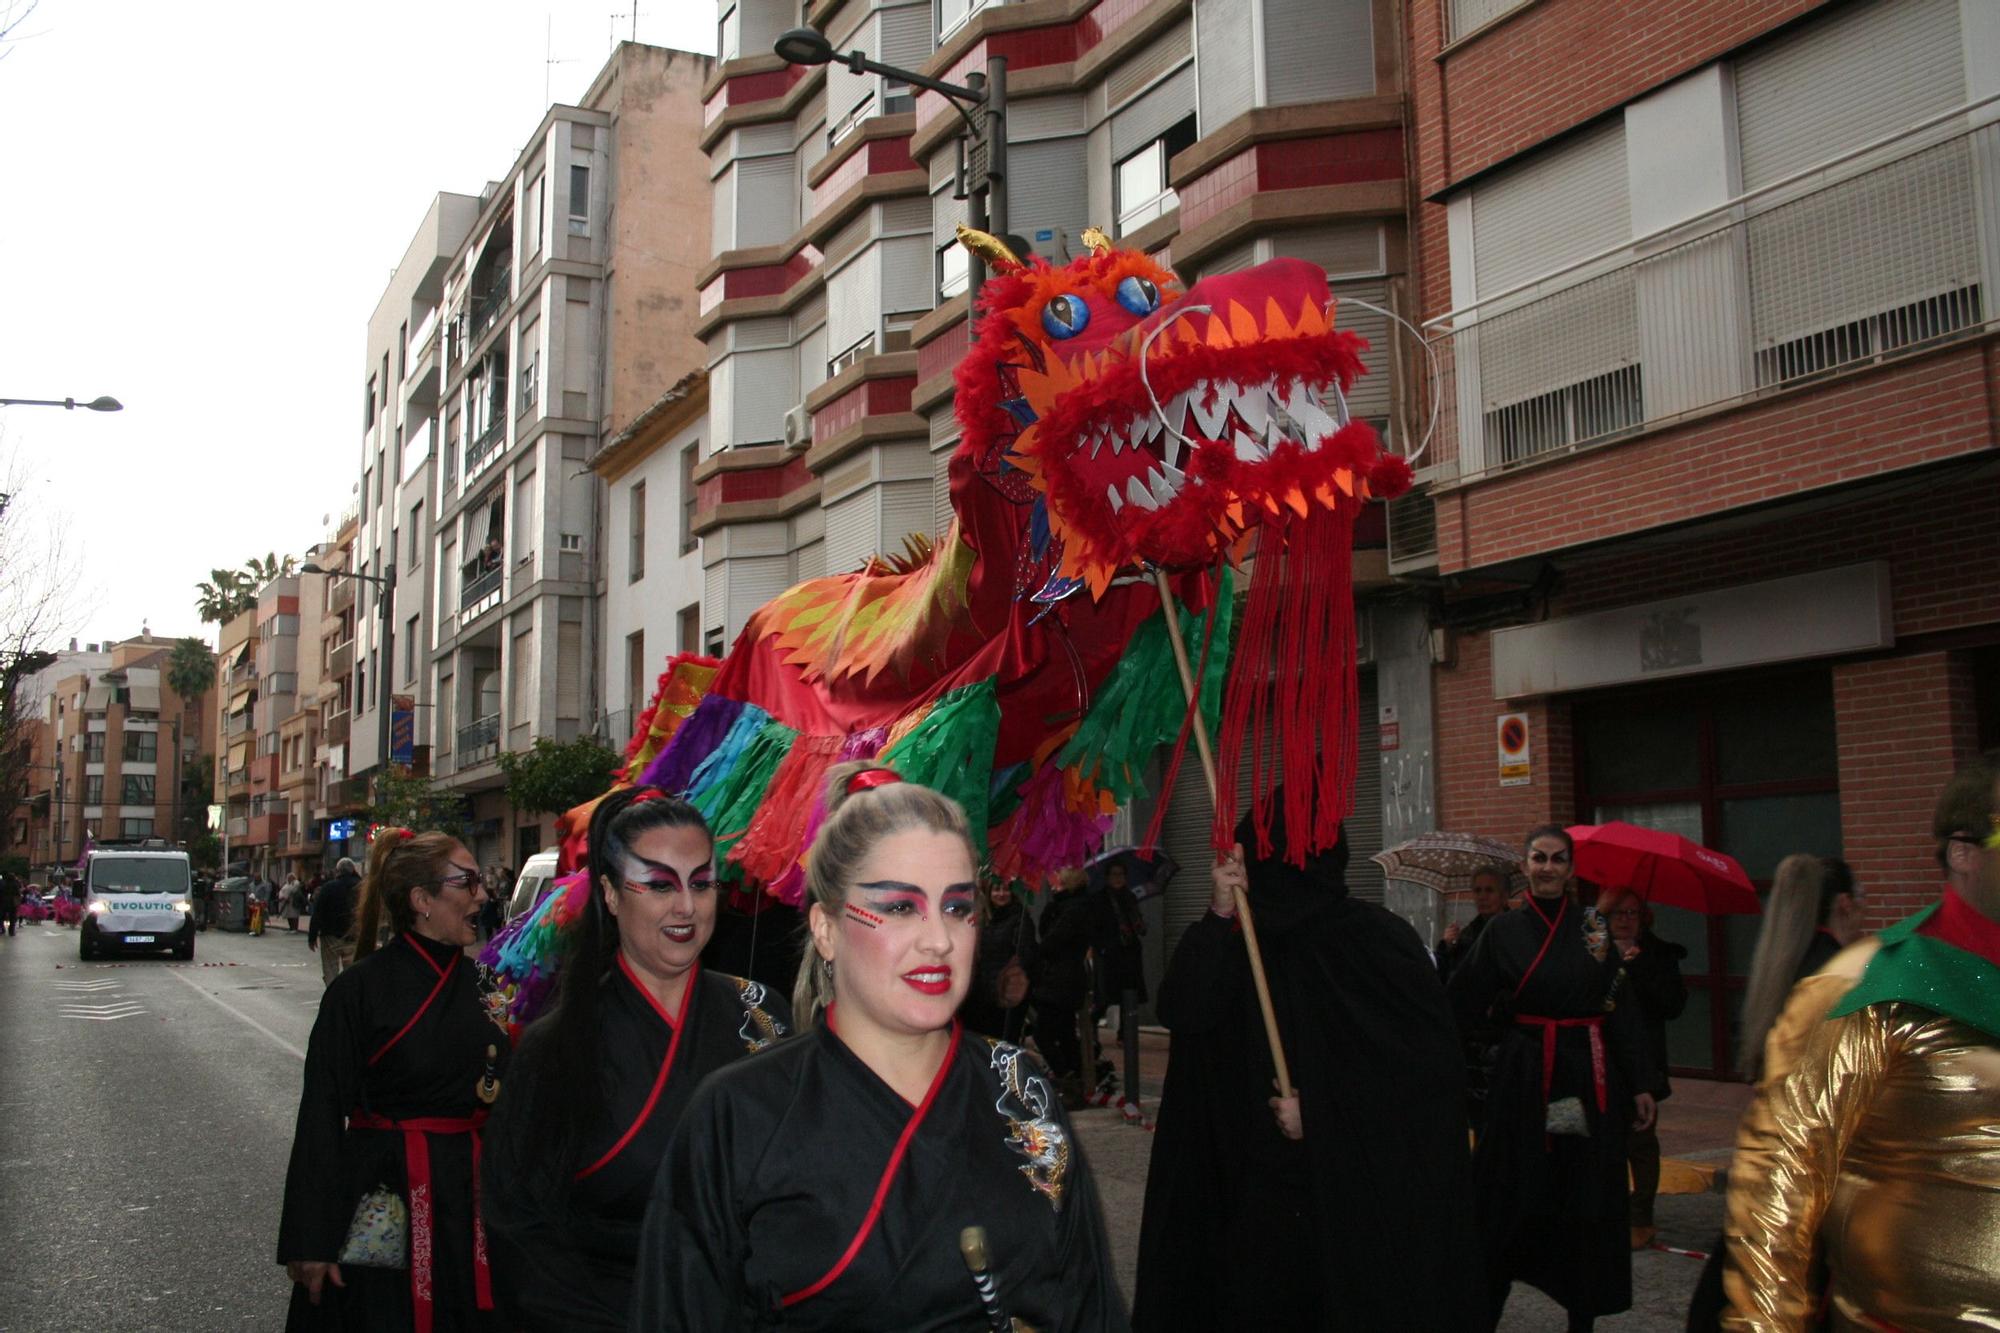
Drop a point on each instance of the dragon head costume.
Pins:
(1112, 423)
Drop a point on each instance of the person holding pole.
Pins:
(1349, 1203)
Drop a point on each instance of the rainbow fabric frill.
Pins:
(521, 961)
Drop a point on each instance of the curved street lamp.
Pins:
(101, 403)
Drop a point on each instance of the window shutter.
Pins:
(905, 38)
(569, 671)
(764, 201)
(1223, 60)
(850, 532)
(1316, 50)
(1582, 181)
(1047, 187)
(1149, 116)
(852, 308)
(1167, 50)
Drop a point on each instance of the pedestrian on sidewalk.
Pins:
(1482, 1043)
(330, 930)
(599, 1083)
(1653, 983)
(403, 1061)
(1120, 952)
(1348, 1204)
(1572, 1079)
(997, 1005)
(1060, 982)
(289, 901)
(10, 901)
(1885, 1114)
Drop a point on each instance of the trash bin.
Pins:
(232, 904)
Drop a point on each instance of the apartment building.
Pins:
(277, 834)
(48, 818)
(336, 801)
(566, 314)
(235, 731)
(652, 587)
(114, 744)
(1715, 499)
(1215, 134)
(392, 606)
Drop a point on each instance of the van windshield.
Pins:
(135, 874)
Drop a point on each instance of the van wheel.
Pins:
(184, 952)
(83, 949)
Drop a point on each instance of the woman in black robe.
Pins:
(601, 1080)
(827, 1183)
(1569, 1079)
(1350, 1205)
(403, 1061)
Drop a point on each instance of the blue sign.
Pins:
(339, 830)
(403, 730)
(1044, 234)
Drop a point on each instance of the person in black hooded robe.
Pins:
(1350, 1205)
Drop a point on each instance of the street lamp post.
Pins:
(386, 667)
(982, 162)
(102, 403)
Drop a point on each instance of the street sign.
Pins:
(1516, 765)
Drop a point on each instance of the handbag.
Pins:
(1565, 1116)
(378, 1235)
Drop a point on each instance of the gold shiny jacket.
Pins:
(1876, 1138)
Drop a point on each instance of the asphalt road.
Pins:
(148, 1108)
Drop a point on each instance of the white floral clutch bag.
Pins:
(1566, 1117)
(378, 1235)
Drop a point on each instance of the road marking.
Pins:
(104, 1013)
(238, 1014)
(108, 983)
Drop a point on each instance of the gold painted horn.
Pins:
(988, 247)
(1099, 243)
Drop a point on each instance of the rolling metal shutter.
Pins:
(1223, 61)
(1149, 116)
(765, 203)
(1316, 50)
(850, 532)
(853, 303)
(1048, 186)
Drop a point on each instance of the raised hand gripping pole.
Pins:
(1207, 752)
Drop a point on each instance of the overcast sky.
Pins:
(200, 204)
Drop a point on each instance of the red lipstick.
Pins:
(929, 980)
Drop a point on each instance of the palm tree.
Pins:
(223, 596)
(191, 674)
(261, 572)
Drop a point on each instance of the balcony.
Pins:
(339, 597)
(239, 781)
(265, 830)
(243, 673)
(263, 772)
(488, 305)
(483, 446)
(239, 724)
(480, 593)
(239, 828)
(340, 662)
(479, 742)
(336, 728)
(1868, 258)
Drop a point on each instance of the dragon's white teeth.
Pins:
(1314, 420)
(1096, 439)
(1117, 502)
(1148, 428)
(1249, 450)
(1255, 409)
(1163, 490)
(1136, 492)
(1210, 414)
(1116, 440)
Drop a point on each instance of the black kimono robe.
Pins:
(1366, 1223)
(565, 1250)
(801, 1192)
(1552, 1207)
(403, 1035)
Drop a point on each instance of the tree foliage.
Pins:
(39, 603)
(190, 670)
(405, 800)
(552, 776)
(227, 593)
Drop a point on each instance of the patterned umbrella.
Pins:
(1447, 861)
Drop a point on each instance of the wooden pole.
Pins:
(1207, 752)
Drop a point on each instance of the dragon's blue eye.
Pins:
(1065, 316)
(1139, 295)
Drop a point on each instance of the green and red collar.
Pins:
(1945, 958)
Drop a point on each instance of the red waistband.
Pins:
(1595, 1023)
(423, 1221)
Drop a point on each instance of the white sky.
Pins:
(201, 202)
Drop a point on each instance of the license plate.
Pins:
(139, 939)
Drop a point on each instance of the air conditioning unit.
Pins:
(798, 427)
(1413, 542)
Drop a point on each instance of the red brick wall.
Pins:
(1904, 725)
(1470, 798)
(1922, 410)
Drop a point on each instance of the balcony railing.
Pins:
(487, 305)
(484, 445)
(1872, 256)
(340, 662)
(341, 596)
(336, 729)
(479, 741)
(239, 723)
(479, 591)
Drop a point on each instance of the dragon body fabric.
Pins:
(1111, 424)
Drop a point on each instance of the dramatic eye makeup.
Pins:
(894, 898)
(643, 876)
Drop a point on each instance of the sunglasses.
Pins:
(464, 879)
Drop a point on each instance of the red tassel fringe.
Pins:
(776, 836)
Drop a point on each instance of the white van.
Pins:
(537, 874)
(137, 898)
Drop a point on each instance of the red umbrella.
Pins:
(1663, 868)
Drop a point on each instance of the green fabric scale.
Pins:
(951, 750)
(730, 803)
(1915, 969)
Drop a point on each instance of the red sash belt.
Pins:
(1548, 1026)
(423, 1221)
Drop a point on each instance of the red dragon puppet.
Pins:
(1112, 424)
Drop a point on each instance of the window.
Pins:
(403, 352)
(1143, 192)
(729, 35)
(93, 747)
(93, 789)
(416, 556)
(138, 789)
(361, 687)
(635, 554)
(579, 201)
(954, 269)
(571, 542)
(690, 628)
(538, 203)
(368, 408)
(689, 457)
(135, 828)
(141, 746)
(635, 676)
(531, 381)
(1468, 16)
(410, 651)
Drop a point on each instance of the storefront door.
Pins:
(1744, 764)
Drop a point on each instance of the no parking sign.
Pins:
(1516, 768)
